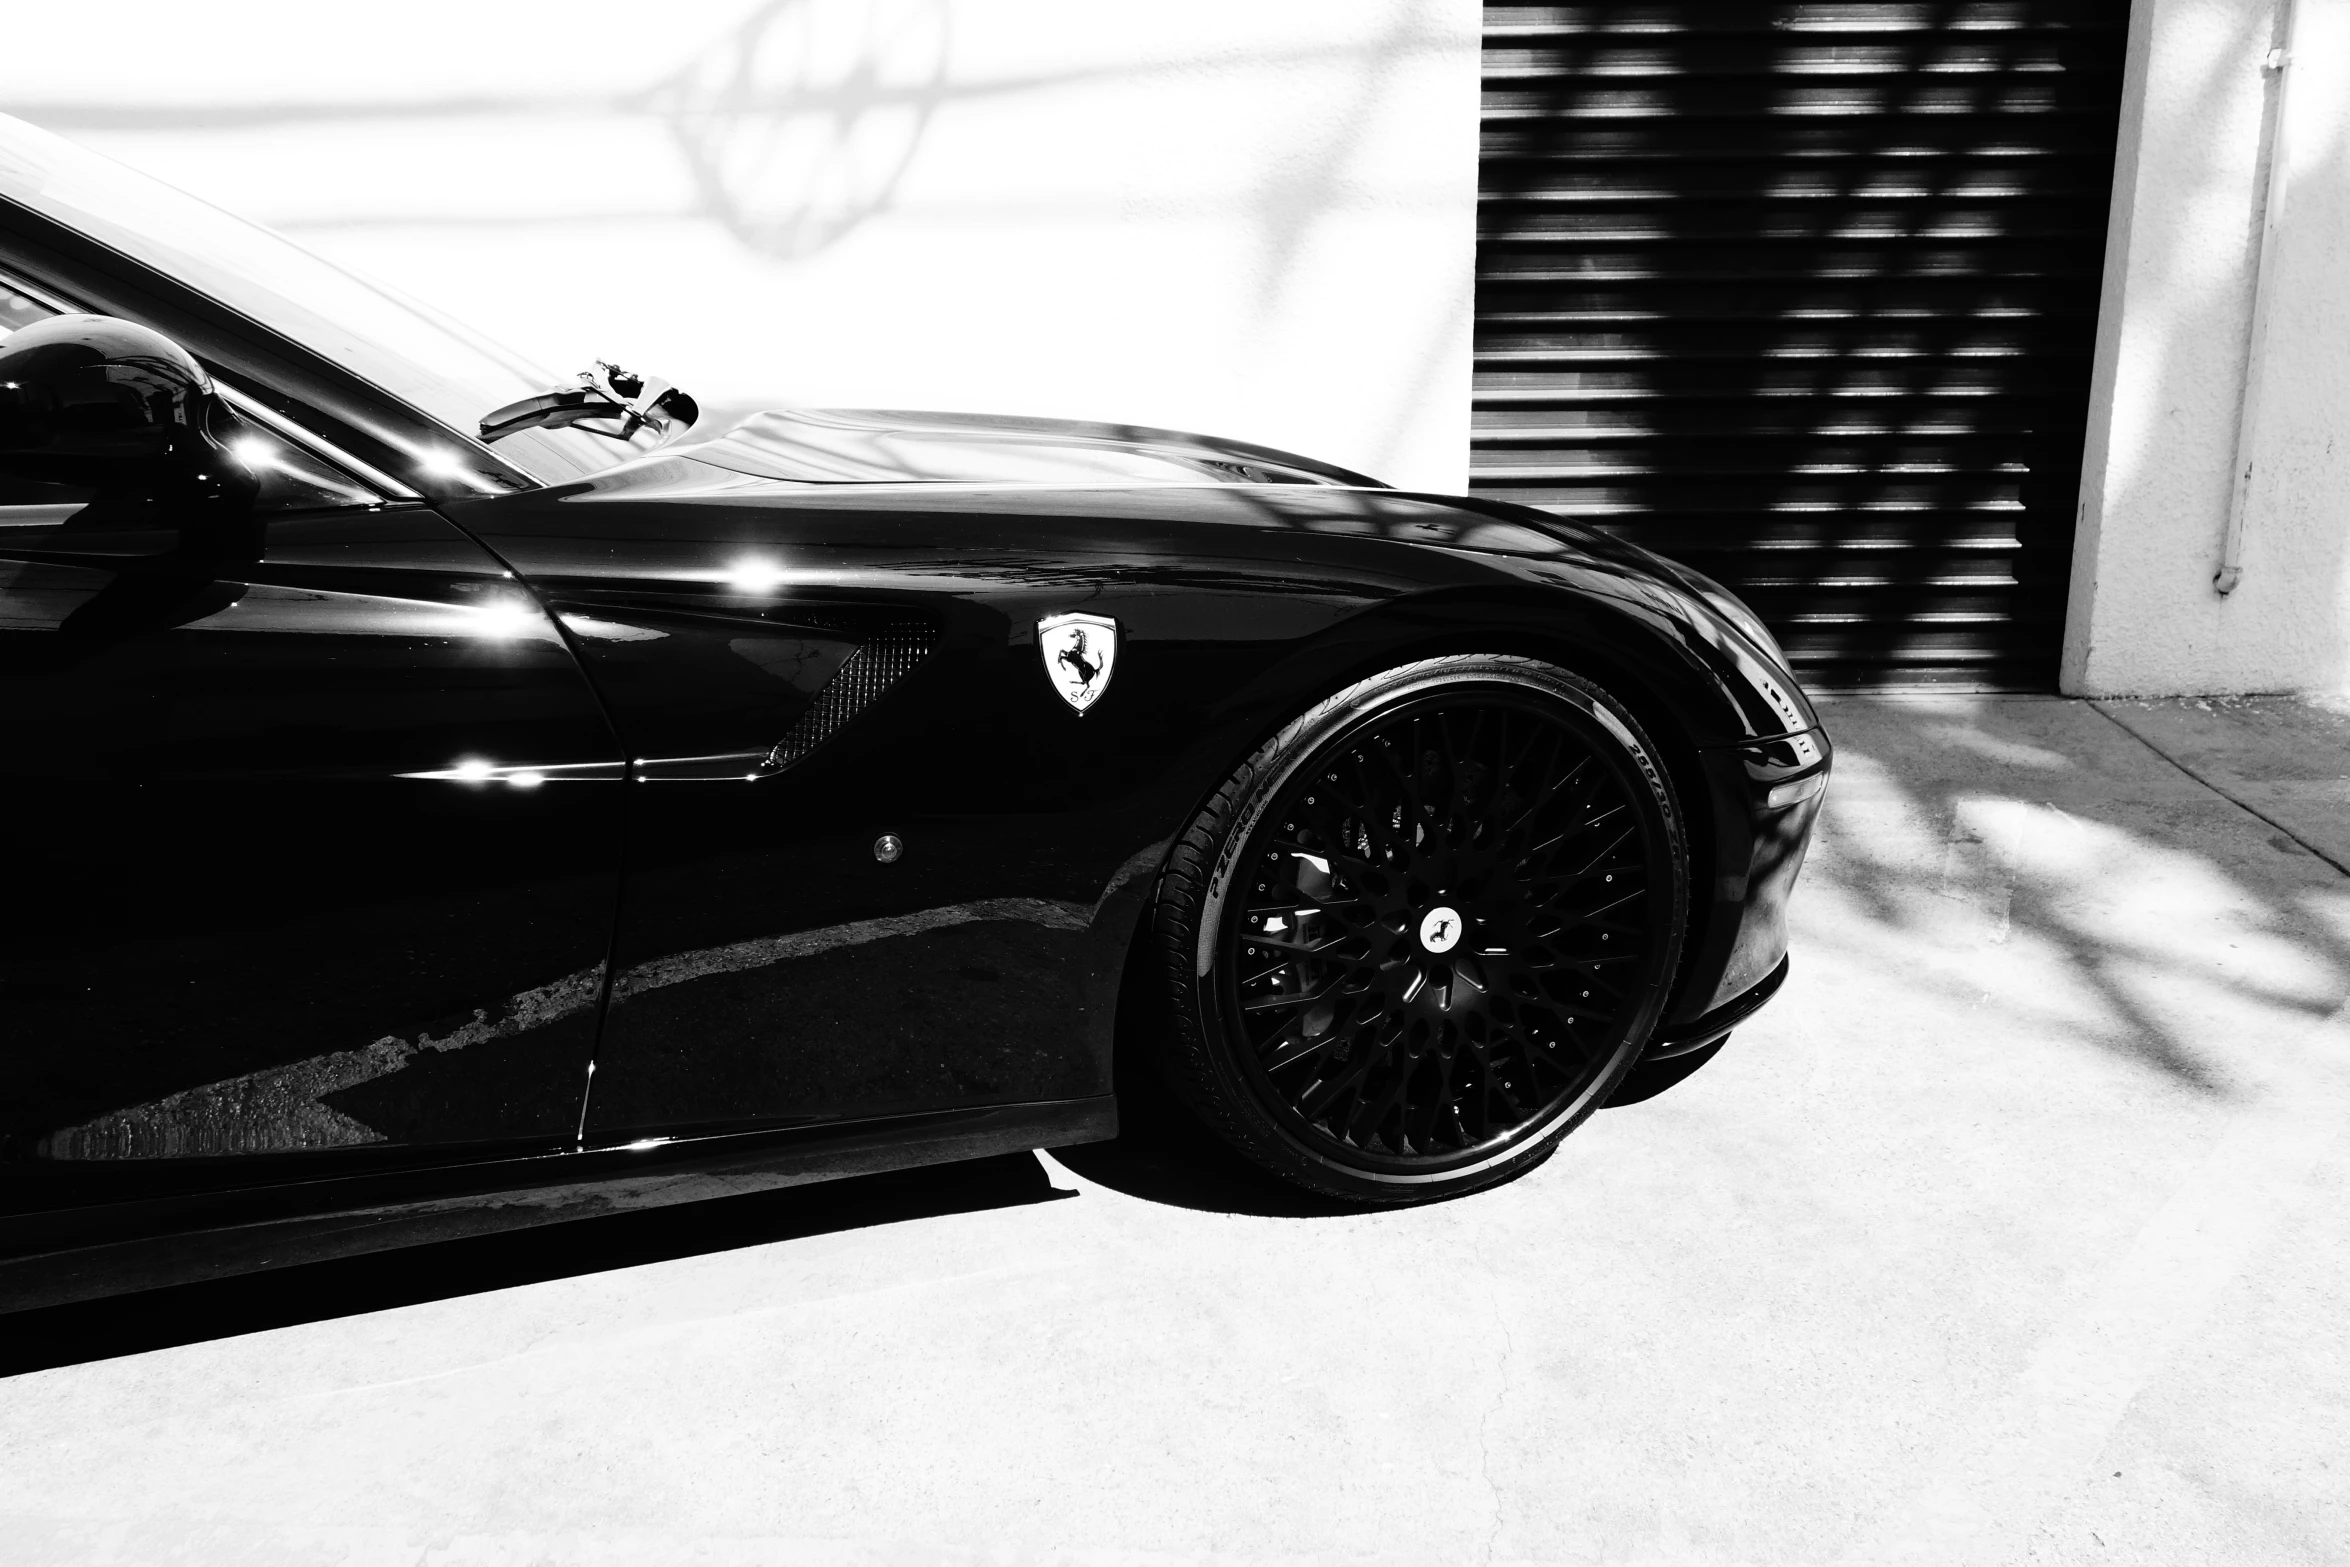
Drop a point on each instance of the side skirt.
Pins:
(316, 1221)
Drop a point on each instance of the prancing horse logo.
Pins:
(1080, 653)
(1440, 931)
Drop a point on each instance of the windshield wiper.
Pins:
(624, 401)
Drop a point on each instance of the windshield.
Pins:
(406, 348)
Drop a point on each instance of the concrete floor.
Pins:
(2014, 1232)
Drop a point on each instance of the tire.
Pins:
(1425, 930)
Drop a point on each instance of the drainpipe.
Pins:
(2272, 215)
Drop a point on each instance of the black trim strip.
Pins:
(91, 1256)
(1698, 1033)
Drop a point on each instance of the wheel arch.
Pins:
(1399, 636)
(1676, 742)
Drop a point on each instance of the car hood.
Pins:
(1067, 492)
(876, 446)
(857, 458)
(869, 446)
(834, 451)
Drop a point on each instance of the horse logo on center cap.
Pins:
(1440, 932)
(1080, 652)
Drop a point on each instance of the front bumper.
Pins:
(1683, 1038)
(1763, 799)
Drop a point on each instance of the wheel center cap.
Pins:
(1440, 930)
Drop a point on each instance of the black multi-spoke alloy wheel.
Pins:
(1426, 929)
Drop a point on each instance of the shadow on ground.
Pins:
(2050, 851)
(314, 1292)
(1162, 1154)
(2030, 847)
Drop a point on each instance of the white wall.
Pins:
(2171, 363)
(1251, 219)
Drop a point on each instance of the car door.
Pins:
(313, 853)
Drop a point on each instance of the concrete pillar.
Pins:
(2173, 335)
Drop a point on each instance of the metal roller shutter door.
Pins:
(1804, 296)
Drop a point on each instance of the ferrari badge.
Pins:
(1079, 653)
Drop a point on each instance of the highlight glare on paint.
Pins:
(444, 463)
(754, 575)
(253, 452)
(472, 769)
(505, 617)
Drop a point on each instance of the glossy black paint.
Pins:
(300, 930)
(873, 446)
(769, 968)
(211, 1231)
(240, 922)
(1759, 852)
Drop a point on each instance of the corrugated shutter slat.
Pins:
(1804, 294)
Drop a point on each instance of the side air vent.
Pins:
(862, 678)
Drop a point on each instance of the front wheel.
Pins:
(1424, 930)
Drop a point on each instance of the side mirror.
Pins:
(124, 421)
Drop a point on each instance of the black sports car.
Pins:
(441, 798)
